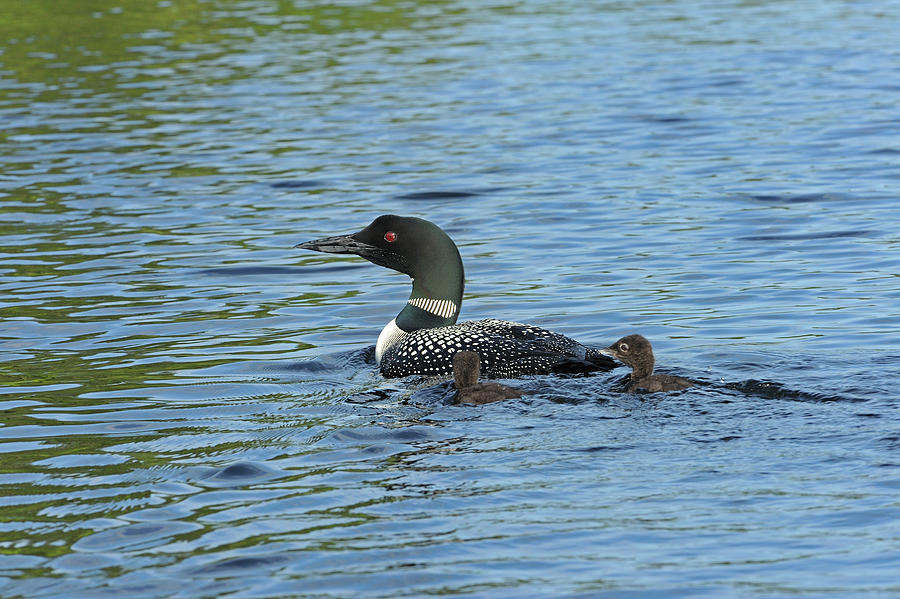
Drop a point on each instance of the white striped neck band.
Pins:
(439, 307)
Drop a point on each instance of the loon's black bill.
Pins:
(339, 244)
(348, 244)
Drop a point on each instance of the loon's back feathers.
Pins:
(507, 350)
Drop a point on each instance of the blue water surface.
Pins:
(190, 407)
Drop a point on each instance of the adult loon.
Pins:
(424, 336)
(636, 351)
(466, 368)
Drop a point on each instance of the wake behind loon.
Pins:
(424, 336)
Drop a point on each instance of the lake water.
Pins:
(190, 407)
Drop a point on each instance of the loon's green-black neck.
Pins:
(438, 281)
(435, 299)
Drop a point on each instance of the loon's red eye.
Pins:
(390, 237)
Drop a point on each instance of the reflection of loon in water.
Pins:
(424, 336)
(636, 351)
(466, 368)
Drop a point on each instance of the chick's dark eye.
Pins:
(390, 237)
(623, 347)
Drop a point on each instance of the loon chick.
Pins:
(636, 351)
(424, 336)
(466, 368)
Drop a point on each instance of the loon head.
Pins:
(635, 351)
(414, 247)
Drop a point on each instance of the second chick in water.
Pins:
(466, 370)
(636, 351)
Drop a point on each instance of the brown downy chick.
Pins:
(636, 351)
(466, 369)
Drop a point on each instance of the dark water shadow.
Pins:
(297, 271)
(807, 236)
(134, 536)
(437, 195)
(664, 119)
(806, 198)
(237, 565)
(775, 390)
(238, 474)
(371, 396)
(443, 393)
(254, 270)
(297, 184)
